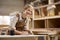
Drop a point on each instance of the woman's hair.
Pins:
(27, 6)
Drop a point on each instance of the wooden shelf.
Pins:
(54, 23)
(43, 31)
(49, 17)
(39, 24)
(46, 21)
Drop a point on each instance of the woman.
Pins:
(21, 19)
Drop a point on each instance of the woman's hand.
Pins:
(24, 33)
(21, 32)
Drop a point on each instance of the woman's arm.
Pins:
(17, 32)
(21, 32)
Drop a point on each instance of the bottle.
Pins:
(11, 32)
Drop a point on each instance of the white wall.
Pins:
(8, 6)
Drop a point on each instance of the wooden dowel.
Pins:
(46, 5)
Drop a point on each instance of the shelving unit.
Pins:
(54, 23)
(46, 19)
(39, 23)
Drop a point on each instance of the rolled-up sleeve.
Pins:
(13, 21)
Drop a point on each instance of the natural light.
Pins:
(4, 20)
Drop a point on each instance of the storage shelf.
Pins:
(46, 21)
(49, 17)
(54, 23)
(39, 24)
(45, 29)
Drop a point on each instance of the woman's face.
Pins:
(27, 12)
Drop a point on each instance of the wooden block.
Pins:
(59, 13)
(51, 13)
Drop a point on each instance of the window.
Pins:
(4, 20)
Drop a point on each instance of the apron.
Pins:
(20, 24)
